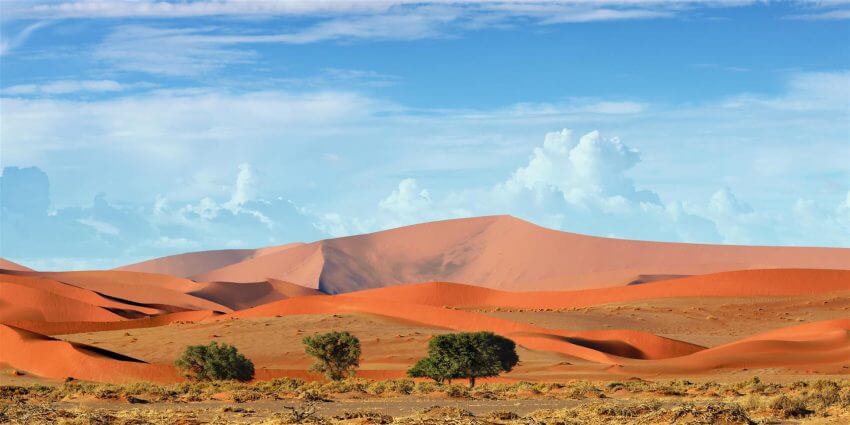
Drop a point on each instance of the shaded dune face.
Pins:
(499, 252)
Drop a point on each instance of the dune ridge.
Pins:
(503, 252)
(52, 358)
(741, 283)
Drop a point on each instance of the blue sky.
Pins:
(133, 129)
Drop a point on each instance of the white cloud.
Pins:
(589, 174)
(8, 44)
(100, 226)
(829, 15)
(566, 10)
(168, 51)
(724, 202)
(64, 87)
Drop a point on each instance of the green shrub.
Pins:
(337, 354)
(214, 362)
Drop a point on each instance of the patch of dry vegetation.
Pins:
(632, 401)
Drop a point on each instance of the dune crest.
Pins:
(503, 252)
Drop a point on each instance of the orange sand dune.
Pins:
(193, 263)
(503, 252)
(161, 291)
(239, 296)
(805, 346)
(25, 302)
(10, 283)
(51, 358)
(598, 346)
(11, 265)
(80, 326)
(743, 283)
(301, 264)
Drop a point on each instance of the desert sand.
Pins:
(577, 306)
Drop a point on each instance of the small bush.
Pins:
(790, 407)
(214, 362)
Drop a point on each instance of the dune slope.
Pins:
(52, 358)
(503, 252)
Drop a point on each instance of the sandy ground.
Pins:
(704, 321)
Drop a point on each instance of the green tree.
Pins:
(214, 362)
(337, 353)
(467, 355)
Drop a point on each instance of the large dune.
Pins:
(52, 358)
(503, 252)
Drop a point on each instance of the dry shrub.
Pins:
(365, 417)
(790, 406)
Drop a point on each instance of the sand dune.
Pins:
(52, 358)
(194, 263)
(11, 265)
(33, 297)
(807, 346)
(503, 252)
(164, 292)
(80, 326)
(239, 296)
(743, 283)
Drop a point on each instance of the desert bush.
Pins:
(214, 362)
(467, 355)
(711, 413)
(628, 410)
(365, 417)
(337, 353)
(790, 407)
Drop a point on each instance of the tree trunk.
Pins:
(471, 381)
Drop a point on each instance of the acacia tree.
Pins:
(337, 353)
(468, 355)
(214, 362)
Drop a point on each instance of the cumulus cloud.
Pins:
(588, 174)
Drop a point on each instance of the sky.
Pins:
(136, 129)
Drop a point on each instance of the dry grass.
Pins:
(634, 401)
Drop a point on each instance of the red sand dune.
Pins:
(25, 302)
(743, 283)
(72, 327)
(239, 296)
(11, 265)
(809, 345)
(145, 288)
(193, 263)
(13, 284)
(52, 358)
(503, 252)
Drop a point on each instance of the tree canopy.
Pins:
(214, 362)
(467, 355)
(337, 353)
